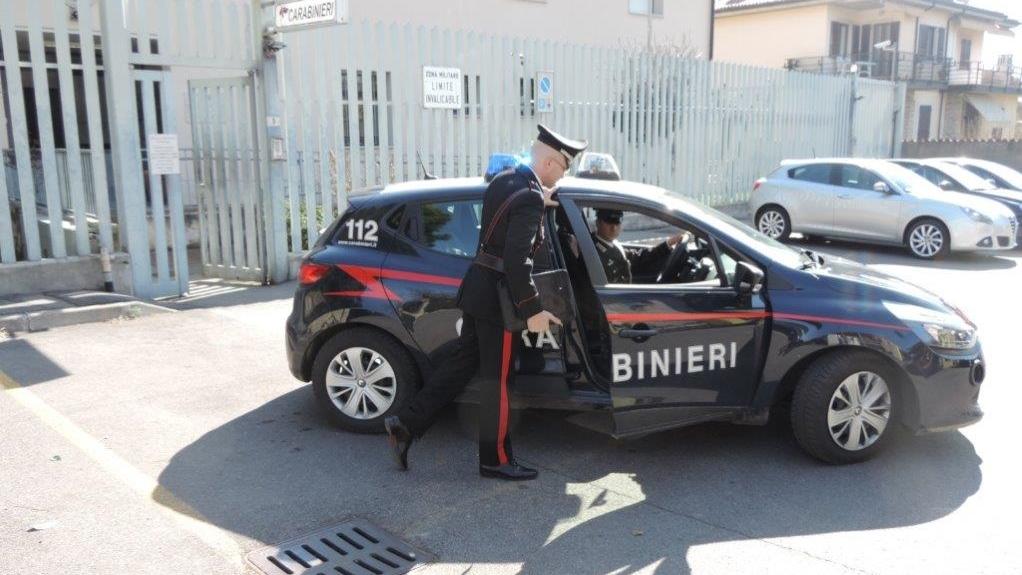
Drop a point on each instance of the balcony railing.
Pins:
(915, 69)
(881, 65)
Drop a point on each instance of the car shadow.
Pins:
(280, 471)
(894, 255)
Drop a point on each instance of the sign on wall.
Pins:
(441, 87)
(164, 157)
(297, 14)
(544, 92)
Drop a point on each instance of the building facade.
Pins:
(935, 46)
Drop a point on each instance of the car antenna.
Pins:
(426, 174)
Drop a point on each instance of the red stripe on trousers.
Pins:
(505, 364)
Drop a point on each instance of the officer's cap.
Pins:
(569, 148)
(609, 216)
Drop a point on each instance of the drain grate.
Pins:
(356, 547)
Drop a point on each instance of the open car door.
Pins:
(683, 347)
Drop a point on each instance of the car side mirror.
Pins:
(882, 187)
(992, 182)
(946, 185)
(748, 279)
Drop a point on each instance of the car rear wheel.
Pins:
(773, 221)
(928, 239)
(360, 376)
(843, 407)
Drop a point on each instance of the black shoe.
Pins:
(400, 440)
(510, 471)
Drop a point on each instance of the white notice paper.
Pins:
(164, 157)
(441, 87)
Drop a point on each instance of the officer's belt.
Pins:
(488, 260)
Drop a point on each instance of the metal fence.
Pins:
(354, 107)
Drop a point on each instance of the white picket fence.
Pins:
(353, 98)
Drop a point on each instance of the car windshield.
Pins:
(740, 231)
(904, 179)
(971, 181)
(1007, 174)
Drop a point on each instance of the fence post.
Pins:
(272, 137)
(898, 129)
(125, 145)
(851, 114)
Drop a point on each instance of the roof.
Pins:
(727, 6)
(417, 189)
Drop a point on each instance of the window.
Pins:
(923, 132)
(641, 7)
(451, 227)
(857, 178)
(817, 173)
(931, 42)
(838, 39)
(965, 54)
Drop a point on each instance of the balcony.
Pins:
(918, 70)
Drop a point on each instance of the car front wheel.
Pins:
(842, 411)
(928, 239)
(360, 376)
(773, 221)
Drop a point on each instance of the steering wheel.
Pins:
(672, 268)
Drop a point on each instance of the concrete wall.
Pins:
(68, 274)
(769, 38)
(913, 102)
(1007, 152)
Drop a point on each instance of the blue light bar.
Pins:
(498, 163)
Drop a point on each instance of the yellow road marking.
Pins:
(152, 492)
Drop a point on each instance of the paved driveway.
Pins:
(178, 443)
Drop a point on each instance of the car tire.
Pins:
(773, 221)
(824, 414)
(928, 239)
(357, 398)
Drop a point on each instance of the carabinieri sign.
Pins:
(298, 14)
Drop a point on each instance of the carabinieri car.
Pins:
(725, 327)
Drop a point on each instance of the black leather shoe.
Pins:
(511, 472)
(400, 440)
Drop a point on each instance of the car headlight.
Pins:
(976, 216)
(938, 329)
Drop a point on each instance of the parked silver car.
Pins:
(878, 202)
(998, 175)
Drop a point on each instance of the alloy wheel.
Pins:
(926, 240)
(361, 383)
(771, 223)
(859, 410)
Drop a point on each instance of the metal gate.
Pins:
(168, 244)
(226, 162)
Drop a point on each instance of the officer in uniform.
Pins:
(619, 262)
(484, 346)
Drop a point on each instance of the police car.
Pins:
(728, 326)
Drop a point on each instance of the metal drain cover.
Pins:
(356, 547)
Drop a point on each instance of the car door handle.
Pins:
(639, 333)
(844, 196)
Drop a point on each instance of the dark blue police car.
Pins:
(724, 327)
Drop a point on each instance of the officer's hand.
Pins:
(680, 237)
(548, 197)
(541, 321)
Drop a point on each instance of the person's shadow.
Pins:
(599, 506)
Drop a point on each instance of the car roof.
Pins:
(861, 162)
(417, 190)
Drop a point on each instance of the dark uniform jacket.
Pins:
(619, 262)
(515, 238)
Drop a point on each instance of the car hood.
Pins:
(1003, 194)
(982, 205)
(867, 284)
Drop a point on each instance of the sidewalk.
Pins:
(37, 312)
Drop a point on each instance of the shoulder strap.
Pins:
(500, 213)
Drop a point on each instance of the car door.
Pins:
(812, 197)
(863, 212)
(678, 352)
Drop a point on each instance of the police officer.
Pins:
(484, 346)
(619, 262)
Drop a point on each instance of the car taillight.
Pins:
(756, 185)
(311, 273)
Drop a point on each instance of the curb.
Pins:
(48, 319)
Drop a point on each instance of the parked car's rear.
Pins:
(878, 202)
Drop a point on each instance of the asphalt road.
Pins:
(178, 443)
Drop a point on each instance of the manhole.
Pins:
(356, 547)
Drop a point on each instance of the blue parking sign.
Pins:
(544, 92)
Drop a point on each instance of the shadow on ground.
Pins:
(280, 471)
(895, 255)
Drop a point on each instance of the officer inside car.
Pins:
(621, 262)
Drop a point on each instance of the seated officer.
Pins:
(620, 262)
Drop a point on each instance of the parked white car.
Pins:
(878, 202)
(998, 175)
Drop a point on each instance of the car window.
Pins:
(931, 175)
(451, 227)
(986, 175)
(856, 177)
(817, 173)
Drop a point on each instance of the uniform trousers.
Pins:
(486, 349)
